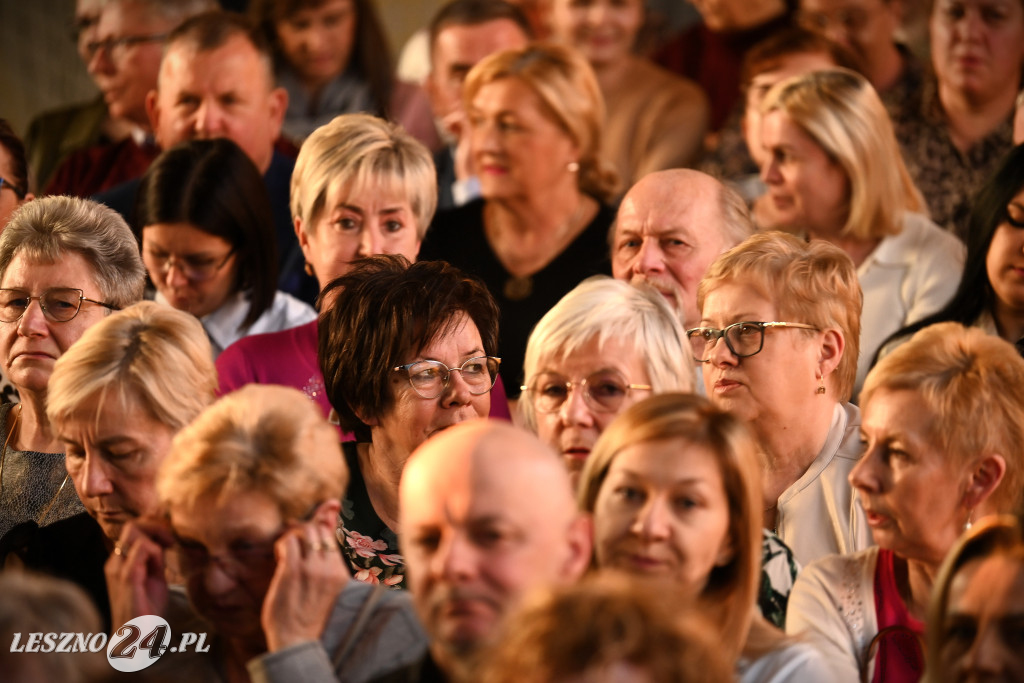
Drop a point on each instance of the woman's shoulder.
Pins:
(285, 312)
(833, 572)
(793, 661)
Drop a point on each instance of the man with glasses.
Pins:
(123, 58)
(487, 515)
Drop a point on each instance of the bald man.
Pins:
(487, 514)
(670, 227)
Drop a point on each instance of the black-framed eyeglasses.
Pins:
(429, 378)
(18, 190)
(744, 339)
(604, 391)
(118, 44)
(194, 268)
(59, 304)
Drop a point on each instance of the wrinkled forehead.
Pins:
(692, 210)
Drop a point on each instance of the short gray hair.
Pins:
(46, 229)
(603, 308)
(737, 223)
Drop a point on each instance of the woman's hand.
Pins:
(309, 576)
(135, 571)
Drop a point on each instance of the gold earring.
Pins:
(821, 385)
(308, 268)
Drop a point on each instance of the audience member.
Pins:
(654, 119)
(116, 399)
(673, 490)
(487, 517)
(975, 611)
(600, 349)
(391, 338)
(990, 295)
(541, 226)
(711, 52)
(670, 227)
(251, 490)
(77, 261)
(834, 172)
(942, 425)
(216, 81)
(13, 173)
(462, 33)
(208, 242)
(123, 60)
(778, 338)
(621, 631)
(954, 134)
(333, 58)
(1018, 119)
(738, 154)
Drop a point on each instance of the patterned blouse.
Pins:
(370, 547)
(778, 572)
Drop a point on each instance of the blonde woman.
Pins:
(834, 172)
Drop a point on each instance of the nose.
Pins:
(770, 170)
(216, 579)
(988, 654)
(653, 521)
(99, 61)
(455, 559)
(208, 122)
(33, 323)
(574, 410)
(95, 481)
(597, 14)
(971, 25)
(175, 276)
(457, 392)
(865, 476)
(721, 354)
(371, 242)
(651, 258)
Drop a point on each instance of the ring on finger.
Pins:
(118, 550)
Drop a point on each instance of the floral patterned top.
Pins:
(778, 572)
(370, 547)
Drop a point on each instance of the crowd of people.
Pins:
(585, 358)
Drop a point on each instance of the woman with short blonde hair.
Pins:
(834, 172)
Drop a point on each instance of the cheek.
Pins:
(548, 428)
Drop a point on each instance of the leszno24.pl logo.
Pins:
(133, 647)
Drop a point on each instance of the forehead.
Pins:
(469, 43)
(992, 585)
(680, 207)
(235, 66)
(127, 16)
(731, 301)
(593, 355)
(239, 515)
(71, 270)
(669, 461)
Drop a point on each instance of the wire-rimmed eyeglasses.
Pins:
(59, 304)
(118, 45)
(194, 268)
(429, 378)
(604, 391)
(744, 339)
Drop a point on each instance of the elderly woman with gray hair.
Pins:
(65, 264)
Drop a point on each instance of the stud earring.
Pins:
(573, 166)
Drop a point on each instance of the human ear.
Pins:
(581, 546)
(984, 476)
(831, 351)
(326, 514)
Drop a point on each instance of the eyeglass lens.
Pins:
(603, 391)
(743, 339)
(60, 304)
(430, 377)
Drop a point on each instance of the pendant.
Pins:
(518, 288)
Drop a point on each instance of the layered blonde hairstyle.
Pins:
(809, 282)
(262, 438)
(149, 355)
(365, 155)
(567, 86)
(601, 308)
(842, 113)
(971, 386)
(730, 594)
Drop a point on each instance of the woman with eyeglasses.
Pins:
(780, 324)
(942, 426)
(64, 265)
(406, 351)
(207, 236)
(603, 347)
(249, 492)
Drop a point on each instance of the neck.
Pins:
(857, 249)
(971, 119)
(1009, 322)
(915, 580)
(790, 444)
(888, 71)
(611, 74)
(527, 235)
(34, 432)
(382, 469)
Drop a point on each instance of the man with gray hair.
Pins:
(670, 227)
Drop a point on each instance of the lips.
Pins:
(645, 563)
(724, 385)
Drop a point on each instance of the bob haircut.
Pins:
(361, 153)
(975, 295)
(971, 385)
(381, 313)
(149, 355)
(615, 622)
(565, 83)
(731, 590)
(991, 537)
(47, 229)
(842, 113)
(810, 282)
(370, 58)
(213, 186)
(602, 308)
(262, 438)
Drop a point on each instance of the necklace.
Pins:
(3, 458)
(519, 287)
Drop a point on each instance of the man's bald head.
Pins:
(671, 225)
(487, 514)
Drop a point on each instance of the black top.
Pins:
(457, 236)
